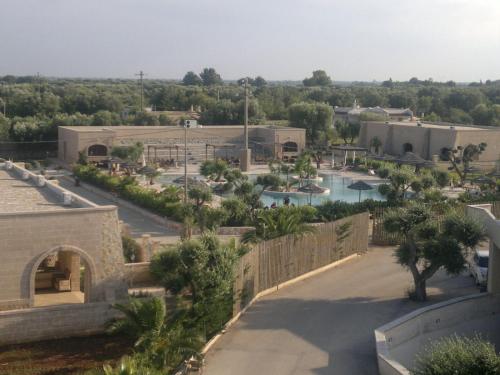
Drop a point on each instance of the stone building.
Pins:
(354, 114)
(62, 263)
(166, 141)
(428, 140)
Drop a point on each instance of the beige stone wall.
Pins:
(43, 323)
(428, 141)
(26, 239)
(75, 139)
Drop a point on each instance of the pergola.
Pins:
(347, 148)
(215, 147)
(163, 147)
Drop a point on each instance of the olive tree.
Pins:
(428, 245)
(461, 157)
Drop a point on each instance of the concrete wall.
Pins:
(401, 340)
(53, 322)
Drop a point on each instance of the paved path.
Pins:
(138, 223)
(324, 325)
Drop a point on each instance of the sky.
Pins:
(361, 40)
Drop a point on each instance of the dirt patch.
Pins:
(63, 357)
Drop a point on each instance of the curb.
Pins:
(266, 292)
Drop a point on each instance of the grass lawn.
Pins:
(64, 356)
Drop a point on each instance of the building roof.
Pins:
(91, 129)
(436, 125)
(388, 111)
(21, 196)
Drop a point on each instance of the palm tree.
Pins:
(214, 169)
(143, 320)
(276, 223)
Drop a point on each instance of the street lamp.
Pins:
(245, 155)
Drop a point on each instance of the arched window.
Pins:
(290, 147)
(97, 150)
(407, 147)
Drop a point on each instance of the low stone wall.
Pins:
(399, 341)
(53, 322)
(57, 190)
(138, 274)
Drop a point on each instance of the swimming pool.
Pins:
(338, 192)
(336, 183)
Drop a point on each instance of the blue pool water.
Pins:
(338, 192)
(336, 183)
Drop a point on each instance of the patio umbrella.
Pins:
(483, 180)
(180, 180)
(472, 170)
(147, 170)
(360, 186)
(311, 189)
(410, 158)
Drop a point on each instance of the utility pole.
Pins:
(39, 83)
(246, 113)
(245, 154)
(185, 163)
(141, 75)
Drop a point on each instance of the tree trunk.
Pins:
(420, 289)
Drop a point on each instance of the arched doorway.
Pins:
(97, 150)
(290, 147)
(407, 147)
(61, 276)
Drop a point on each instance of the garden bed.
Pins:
(64, 356)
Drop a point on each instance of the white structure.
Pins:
(399, 341)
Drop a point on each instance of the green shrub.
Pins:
(168, 205)
(335, 210)
(459, 356)
(130, 249)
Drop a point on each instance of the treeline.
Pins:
(35, 106)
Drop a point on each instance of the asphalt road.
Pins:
(324, 325)
(138, 223)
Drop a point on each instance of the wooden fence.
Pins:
(273, 262)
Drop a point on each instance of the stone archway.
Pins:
(290, 147)
(89, 274)
(97, 150)
(407, 147)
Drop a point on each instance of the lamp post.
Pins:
(245, 154)
(186, 125)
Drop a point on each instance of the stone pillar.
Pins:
(494, 268)
(245, 159)
(145, 249)
(40, 181)
(71, 262)
(67, 199)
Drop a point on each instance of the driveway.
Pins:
(324, 324)
(138, 223)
